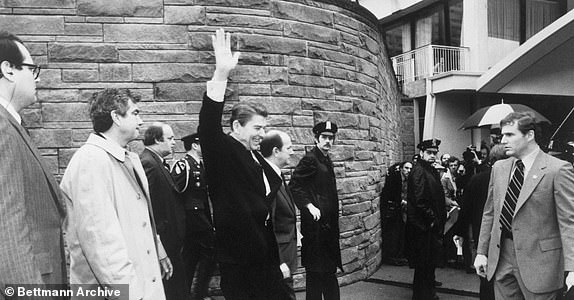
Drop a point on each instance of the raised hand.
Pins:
(225, 61)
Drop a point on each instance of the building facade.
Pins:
(306, 61)
(452, 57)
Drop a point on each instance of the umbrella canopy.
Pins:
(491, 115)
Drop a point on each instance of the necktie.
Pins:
(512, 197)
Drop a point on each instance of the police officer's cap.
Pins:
(431, 144)
(190, 139)
(327, 126)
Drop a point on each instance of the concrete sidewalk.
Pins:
(392, 282)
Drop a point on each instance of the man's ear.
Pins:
(530, 134)
(275, 150)
(235, 125)
(7, 70)
(115, 116)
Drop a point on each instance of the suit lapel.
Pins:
(287, 197)
(503, 180)
(164, 172)
(534, 176)
(49, 178)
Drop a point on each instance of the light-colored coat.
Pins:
(543, 224)
(31, 213)
(109, 232)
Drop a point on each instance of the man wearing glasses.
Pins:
(426, 215)
(30, 209)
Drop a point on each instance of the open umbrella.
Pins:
(492, 115)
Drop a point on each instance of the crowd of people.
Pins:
(136, 224)
(474, 214)
(156, 231)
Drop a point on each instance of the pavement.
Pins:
(394, 282)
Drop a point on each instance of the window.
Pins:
(504, 19)
(539, 14)
(398, 39)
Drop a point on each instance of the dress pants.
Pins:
(322, 284)
(199, 262)
(508, 283)
(426, 254)
(243, 282)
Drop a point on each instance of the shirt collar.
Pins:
(8, 106)
(109, 146)
(274, 166)
(528, 160)
(155, 153)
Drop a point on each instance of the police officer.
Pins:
(189, 176)
(314, 191)
(426, 216)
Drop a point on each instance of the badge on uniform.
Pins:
(179, 167)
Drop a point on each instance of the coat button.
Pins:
(144, 224)
(148, 251)
(153, 280)
(497, 246)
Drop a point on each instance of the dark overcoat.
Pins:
(313, 181)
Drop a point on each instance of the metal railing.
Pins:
(429, 60)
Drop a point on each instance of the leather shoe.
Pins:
(437, 283)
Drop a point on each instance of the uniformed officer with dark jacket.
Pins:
(315, 193)
(189, 176)
(426, 215)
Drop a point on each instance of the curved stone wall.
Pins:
(307, 61)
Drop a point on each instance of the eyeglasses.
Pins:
(34, 68)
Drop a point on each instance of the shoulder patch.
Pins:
(179, 167)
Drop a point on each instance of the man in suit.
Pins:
(393, 205)
(426, 215)
(31, 211)
(276, 148)
(314, 189)
(167, 206)
(190, 178)
(111, 232)
(527, 229)
(245, 243)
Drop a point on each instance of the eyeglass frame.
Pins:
(37, 68)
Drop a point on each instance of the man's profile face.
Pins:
(325, 141)
(24, 82)
(130, 124)
(165, 147)
(514, 142)
(429, 155)
(251, 134)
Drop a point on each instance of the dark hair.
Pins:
(244, 111)
(270, 141)
(526, 121)
(9, 50)
(104, 102)
(453, 159)
(153, 133)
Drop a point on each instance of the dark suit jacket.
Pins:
(169, 217)
(474, 196)
(237, 191)
(31, 211)
(542, 227)
(284, 217)
(167, 206)
(426, 204)
(313, 181)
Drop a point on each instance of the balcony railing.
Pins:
(429, 60)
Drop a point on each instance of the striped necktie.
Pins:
(512, 197)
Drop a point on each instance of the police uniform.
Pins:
(313, 181)
(426, 215)
(189, 176)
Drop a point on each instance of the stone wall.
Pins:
(307, 61)
(408, 128)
